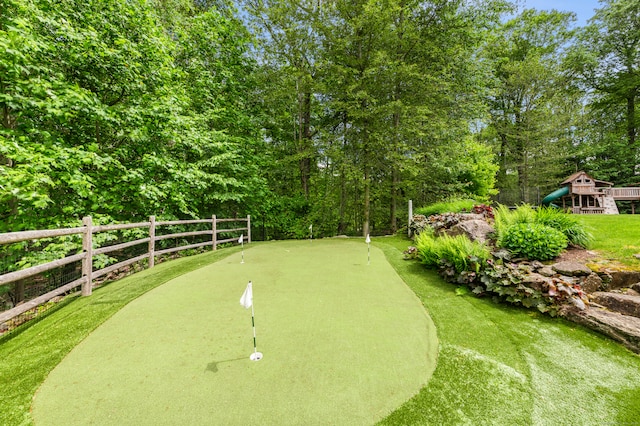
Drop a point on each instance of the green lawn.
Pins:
(616, 237)
(496, 364)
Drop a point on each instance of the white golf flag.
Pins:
(247, 297)
(240, 239)
(368, 240)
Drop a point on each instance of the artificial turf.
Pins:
(344, 342)
(501, 365)
(497, 364)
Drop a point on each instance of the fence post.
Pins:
(87, 262)
(248, 229)
(152, 241)
(214, 237)
(410, 218)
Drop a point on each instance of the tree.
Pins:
(606, 60)
(531, 104)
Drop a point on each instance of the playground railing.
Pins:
(630, 193)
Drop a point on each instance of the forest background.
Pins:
(326, 112)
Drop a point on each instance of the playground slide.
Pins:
(558, 193)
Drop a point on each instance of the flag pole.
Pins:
(311, 232)
(241, 241)
(247, 301)
(255, 356)
(368, 241)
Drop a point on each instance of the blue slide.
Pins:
(558, 193)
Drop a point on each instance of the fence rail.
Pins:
(89, 252)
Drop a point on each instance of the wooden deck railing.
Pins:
(89, 252)
(624, 193)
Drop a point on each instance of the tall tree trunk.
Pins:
(631, 117)
(304, 142)
(631, 136)
(367, 180)
(394, 201)
(342, 224)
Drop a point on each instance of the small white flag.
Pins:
(368, 240)
(240, 239)
(247, 297)
(311, 227)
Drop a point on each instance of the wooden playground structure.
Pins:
(585, 195)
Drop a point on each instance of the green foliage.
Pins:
(459, 252)
(451, 206)
(533, 241)
(428, 249)
(568, 224)
(505, 217)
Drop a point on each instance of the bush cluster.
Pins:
(535, 234)
(533, 241)
(457, 252)
(538, 234)
(452, 206)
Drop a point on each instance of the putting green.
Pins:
(343, 342)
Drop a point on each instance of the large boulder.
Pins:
(474, 229)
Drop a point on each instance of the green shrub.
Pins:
(428, 249)
(505, 217)
(460, 252)
(533, 240)
(452, 206)
(568, 224)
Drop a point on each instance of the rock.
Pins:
(535, 281)
(622, 303)
(571, 268)
(592, 283)
(636, 287)
(547, 271)
(525, 267)
(622, 328)
(606, 279)
(569, 280)
(472, 216)
(620, 279)
(476, 230)
(637, 256)
(536, 264)
(632, 292)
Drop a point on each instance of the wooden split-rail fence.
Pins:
(89, 252)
